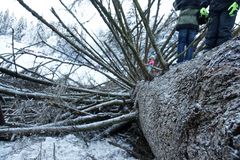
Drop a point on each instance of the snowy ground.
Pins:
(69, 147)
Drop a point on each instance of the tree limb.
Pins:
(77, 128)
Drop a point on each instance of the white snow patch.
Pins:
(69, 147)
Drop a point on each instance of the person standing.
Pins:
(222, 16)
(187, 27)
(151, 60)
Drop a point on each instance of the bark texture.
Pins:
(193, 111)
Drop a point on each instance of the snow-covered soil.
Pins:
(69, 147)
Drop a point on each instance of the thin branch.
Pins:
(77, 128)
(151, 36)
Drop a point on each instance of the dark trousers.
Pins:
(185, 38)
(219, 28)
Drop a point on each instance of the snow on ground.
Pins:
(69, 147)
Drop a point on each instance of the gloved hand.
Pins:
(203, 12)
(233, 8)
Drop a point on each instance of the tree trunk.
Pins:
(193, 111)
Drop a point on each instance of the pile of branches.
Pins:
(53, 109)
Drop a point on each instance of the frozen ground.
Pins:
(69, 147)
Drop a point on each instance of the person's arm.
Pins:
(177, 5)
(205, 3)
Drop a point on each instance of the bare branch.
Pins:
(151, 36)
(77, 128)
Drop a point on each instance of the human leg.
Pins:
(182, 40)
(212, 32)
(190, 38)
(226, 24)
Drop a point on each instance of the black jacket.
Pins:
(218, 5)
(186, 4)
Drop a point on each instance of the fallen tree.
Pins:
(35, 100)
(37, 104)
(193, 111)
